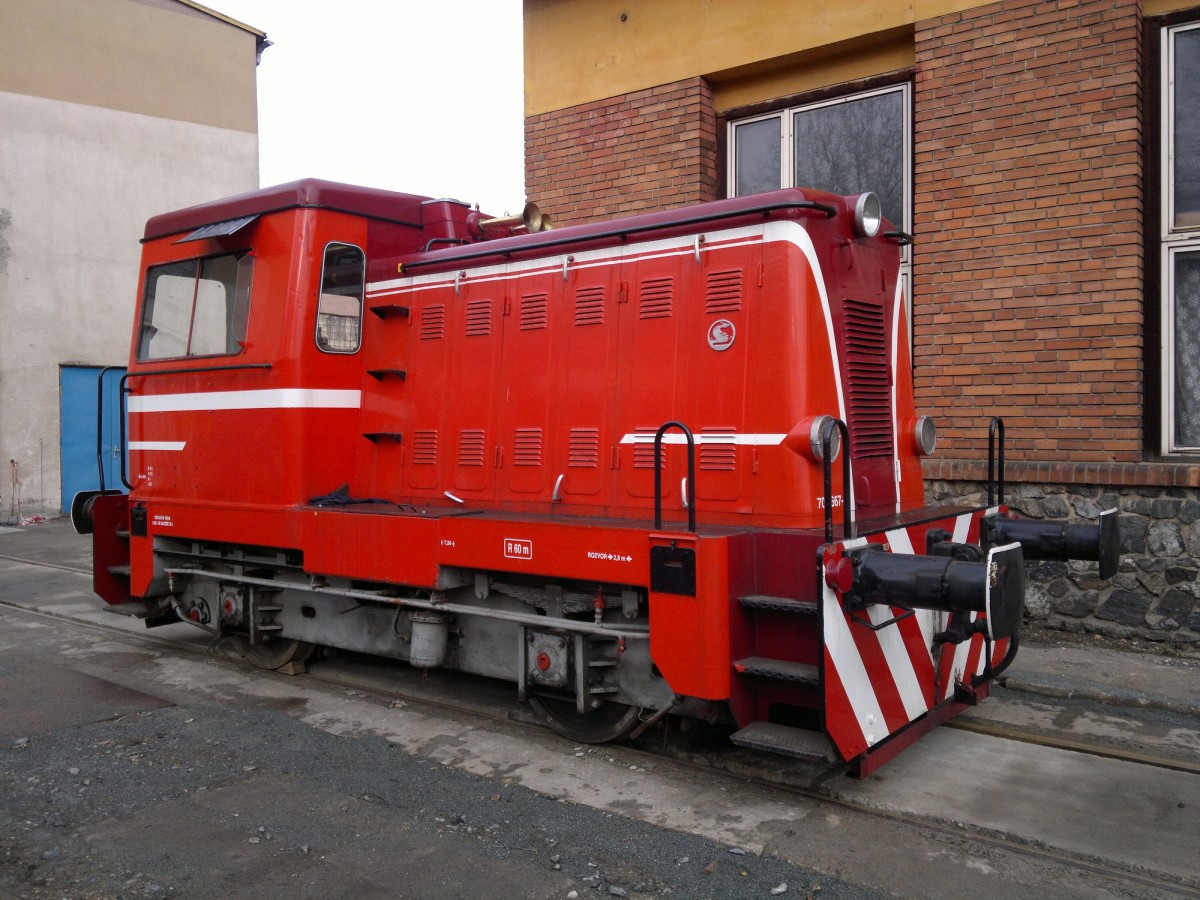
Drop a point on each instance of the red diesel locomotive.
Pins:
(668, 464)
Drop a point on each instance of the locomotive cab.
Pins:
(668, 464)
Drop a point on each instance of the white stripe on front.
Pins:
(958, 667)
(282, 398)
(843, 652)
(742, 440)
(157, 445)
(552, 263)
(891, 641)
(962, 525)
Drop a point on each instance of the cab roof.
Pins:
(308, 193)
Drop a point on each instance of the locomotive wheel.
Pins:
(273, 654)
(608, 723)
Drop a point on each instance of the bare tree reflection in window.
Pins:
(1187, 129)
(855, 146)
(758, 153)
(1187, 350)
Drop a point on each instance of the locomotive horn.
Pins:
(1057, 540)
(995, 587)
(531, 219)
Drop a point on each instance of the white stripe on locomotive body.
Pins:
(799, 236)
(730, 437)
(585, 259)
(897, 301)
(279, 398)
(157, 445)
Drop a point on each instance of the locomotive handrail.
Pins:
(764, 209)
(429, 244)
(826, 452)
(997, 425)
(902, 238)
(691, 479)
(123, 389)
(100, 427)
(189, 370)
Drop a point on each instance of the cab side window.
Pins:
(196, 307)
(340, 307)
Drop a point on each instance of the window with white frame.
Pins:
(1181, 237)
(852, 144)
(848, 145)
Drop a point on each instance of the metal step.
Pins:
(785, 740)
(780, 604)
(120, 571)
(782, 669)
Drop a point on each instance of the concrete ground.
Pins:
(131, 770)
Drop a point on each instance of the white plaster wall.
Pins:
(77, 184)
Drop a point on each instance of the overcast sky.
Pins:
(407, 95)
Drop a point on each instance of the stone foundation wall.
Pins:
(1154, 594)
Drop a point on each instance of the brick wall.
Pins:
(1028, 214)
(651, 149)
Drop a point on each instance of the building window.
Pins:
(197, 307)
(1180, 236)
(860, 142)
(339, 312)
(846, 146)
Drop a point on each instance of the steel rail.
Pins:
(1009, 733)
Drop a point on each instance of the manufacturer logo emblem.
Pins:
(721, 334)
(516, 548)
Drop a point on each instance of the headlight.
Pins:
(868, 214)
(924, 434)
(816, 437)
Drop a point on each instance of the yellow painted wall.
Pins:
(156, 60)
(1162, 7)
(577, 51)
(580, 50)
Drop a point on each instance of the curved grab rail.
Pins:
(997, 425)
(826, 451)
(691, 479)
(124, 390)
(100, 424)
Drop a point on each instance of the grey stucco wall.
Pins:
(77, 184)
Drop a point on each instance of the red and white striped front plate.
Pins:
(878, 682)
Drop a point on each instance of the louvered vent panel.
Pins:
(723, 293)
(643, 448)
(868, 388)
(534, 311)
(718, 452)
(425, 448)
(589, 305)
(527, 447)
(433, 322)
(584, 449)
(479, 318)
(470, 447)
(656, 298)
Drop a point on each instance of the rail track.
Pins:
(812, 784)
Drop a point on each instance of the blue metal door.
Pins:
(78, 410)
